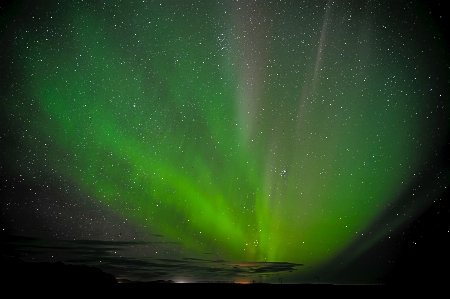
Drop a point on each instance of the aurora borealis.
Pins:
(276, 134)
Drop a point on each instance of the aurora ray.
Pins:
(259, 132)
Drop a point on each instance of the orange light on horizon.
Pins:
(242, 282)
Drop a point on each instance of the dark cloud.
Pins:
(111, 256)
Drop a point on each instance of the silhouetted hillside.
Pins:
(18, 272)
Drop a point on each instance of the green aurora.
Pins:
(256, 131)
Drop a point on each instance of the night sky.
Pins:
(226, 140)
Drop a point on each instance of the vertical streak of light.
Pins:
(308, 90)
(320, 48)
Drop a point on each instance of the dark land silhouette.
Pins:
(16, 272)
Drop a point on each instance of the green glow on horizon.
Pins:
(161, 127)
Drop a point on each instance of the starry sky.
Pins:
(223, 140)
